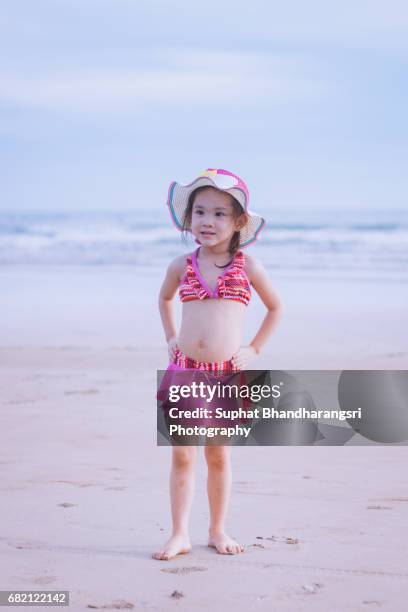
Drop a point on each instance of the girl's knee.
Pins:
(217, 457)
(184, 457)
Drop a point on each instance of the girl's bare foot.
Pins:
(178, 544)
(224, 544)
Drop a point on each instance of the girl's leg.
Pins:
(219, 489)
(181, 496)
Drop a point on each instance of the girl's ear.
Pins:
(241, 221)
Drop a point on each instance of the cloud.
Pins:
(74, 25)
(181, 77)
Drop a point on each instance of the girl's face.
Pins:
(212, 217)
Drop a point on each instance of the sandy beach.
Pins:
(85, 488)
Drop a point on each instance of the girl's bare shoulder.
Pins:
(259, 279)
(253, 267)
(177, 266)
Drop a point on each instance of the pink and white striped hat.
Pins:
(223, 180)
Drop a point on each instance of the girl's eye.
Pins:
(201, 212)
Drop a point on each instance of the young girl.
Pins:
(214, 285)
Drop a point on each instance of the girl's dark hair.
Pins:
(237, 211)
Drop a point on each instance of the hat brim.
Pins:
(177, 201)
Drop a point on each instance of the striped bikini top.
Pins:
(233, 284)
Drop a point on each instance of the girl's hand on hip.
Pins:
(243, 356)
(172, 346)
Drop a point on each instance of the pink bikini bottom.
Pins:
(185, 370)
(184, 362)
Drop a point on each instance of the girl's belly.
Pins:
(211, 329)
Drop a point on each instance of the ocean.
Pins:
(364, 244)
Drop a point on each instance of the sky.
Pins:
(105, 102)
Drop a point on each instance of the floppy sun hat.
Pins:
(223, 180)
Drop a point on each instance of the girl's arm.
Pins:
(260, 281)
(166, 295)
(263, 286)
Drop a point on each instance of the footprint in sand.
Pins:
(391, 499)
(29, 545)
(45, 579)
(82, 392)
(118, 604)
(379, 508)
(274, 539)
(310, 589)
(75, 483)
(291, 541)
(67, 505)
(184, 571)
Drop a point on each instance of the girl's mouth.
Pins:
(207, 233)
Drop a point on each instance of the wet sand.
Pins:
(85, 488)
